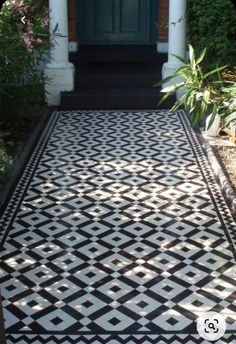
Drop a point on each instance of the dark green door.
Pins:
(114, 21)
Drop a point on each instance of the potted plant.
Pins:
(229, 115)
(201, 92)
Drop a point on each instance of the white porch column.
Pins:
(177, 35)
(59, 70)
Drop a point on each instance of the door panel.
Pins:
(103, 23)
(130, 9)
(114, 21)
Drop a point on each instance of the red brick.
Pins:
(163, 20)
(72, 20)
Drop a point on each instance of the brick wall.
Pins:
(72, 20)
(162, 29)
(163, 20)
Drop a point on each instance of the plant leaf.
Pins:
(165, 80)
(214, 71)
(195, 118)
(168, 89)
(180, 58)
(192, 56)
(213, 116)
(202, 55)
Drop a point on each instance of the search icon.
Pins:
(211, 326)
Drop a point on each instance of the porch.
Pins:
(61, 72)
(107, 79)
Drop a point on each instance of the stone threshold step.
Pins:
(114, 81)
(113, 99)
(117, 54)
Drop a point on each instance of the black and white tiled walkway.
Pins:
(116, 233)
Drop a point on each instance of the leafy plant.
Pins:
(5, 162)
(24, 40)
(229, 104)
(212, 24)
(203, 93)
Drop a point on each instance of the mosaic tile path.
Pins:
(116, 233)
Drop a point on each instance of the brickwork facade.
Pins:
(72, 9)
(162, 20)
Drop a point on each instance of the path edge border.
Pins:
(22, 159)
(219, 175)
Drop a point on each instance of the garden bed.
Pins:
(15, 141)
(221, 154)
(227, 159)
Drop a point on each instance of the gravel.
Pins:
(227, 159)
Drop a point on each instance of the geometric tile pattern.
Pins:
(116, 233)
(114, 339)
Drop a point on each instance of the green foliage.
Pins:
(24, 39)
(212, 24)
(229, 116)
(204, 93)
(24, 42)
(5, 163)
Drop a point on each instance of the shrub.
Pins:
(24, 39)
(5, 163)
(212, 24)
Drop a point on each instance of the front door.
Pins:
(114, 21)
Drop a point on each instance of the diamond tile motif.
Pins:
(113, 339)
(116, 233)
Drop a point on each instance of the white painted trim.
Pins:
(73, 47)
(62, 79)
(162, 47)
(177, 30)
(58, 70)
(176, 38)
